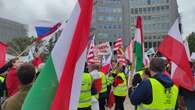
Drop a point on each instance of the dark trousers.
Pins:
(102, 101)
(119, 100)
(87, 108)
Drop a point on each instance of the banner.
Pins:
(103, 49)
(3, 48)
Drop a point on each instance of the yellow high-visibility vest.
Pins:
(85, 95)
(162, 99)
(121, 89)
(104, 82)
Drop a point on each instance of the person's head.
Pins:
(114, 64)
(26, 73)
(157, 65)
(93, 67)
(146, 74)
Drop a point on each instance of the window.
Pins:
(154, 44)
(140, 10)
(149, 2)
(145, 44)
(132, 11)
(150, 44)
(167, 1)
(136, 11)
(144, 10)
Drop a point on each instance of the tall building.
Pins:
(158, 17)
(10, 29)
(110, 20)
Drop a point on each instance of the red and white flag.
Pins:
(106, 65)
(91, 52)
(121, 57)
(173, 48)
(67, 95)
(129, 51)
(118, 43)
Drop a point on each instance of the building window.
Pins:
(167, 1)
(145, 45)
(154, 44)
(132, 11)
(149, 2)
(140, 10)
(136, 11)
(150, 44)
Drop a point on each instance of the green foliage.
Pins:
(17, 45)
(191, 41)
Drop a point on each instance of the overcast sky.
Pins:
(28, 11)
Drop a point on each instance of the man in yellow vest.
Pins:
(156, 93)
(103, 92)
(120, 88)
(85, 95)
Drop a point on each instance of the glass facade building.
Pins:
(112, 18)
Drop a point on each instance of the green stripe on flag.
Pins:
(138, 56)
(43, 91)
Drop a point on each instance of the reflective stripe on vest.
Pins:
(104, 82)
(162, 99)
(85, 95)
(110, 80)
(121, 89)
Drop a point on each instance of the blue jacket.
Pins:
(143, 93)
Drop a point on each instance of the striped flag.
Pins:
(176, 53)
(129, 51)
(121, 57)
(118, 43)
(91, 52)
(139, 45)
(58, 86)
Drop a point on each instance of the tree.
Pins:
(17, 45)
(191, 42)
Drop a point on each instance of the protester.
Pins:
(12, 82)
(85, 94)
(120, 88)
(26, 75)
(189, 96)
(157, 92)
(103, 92)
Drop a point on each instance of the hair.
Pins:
(13, 60)
(157, 65)
(26, 73)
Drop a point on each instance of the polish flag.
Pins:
(106, 65)
(173, 48)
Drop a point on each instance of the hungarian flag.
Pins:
(173, 48)
(3, 49)
(58, 86)
(139, 45)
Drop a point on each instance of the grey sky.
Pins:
(28, 11)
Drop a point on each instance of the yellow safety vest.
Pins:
(161, 100)
(104, 82)
(2, 79)
(121, 89)
(85, 95)
(141, 73)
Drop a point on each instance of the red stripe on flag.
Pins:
(175, 51)
(78, 45)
